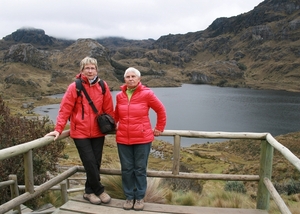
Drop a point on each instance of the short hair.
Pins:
(134, 70)
(88, 60)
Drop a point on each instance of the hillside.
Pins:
(257, 49)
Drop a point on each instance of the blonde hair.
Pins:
(134, 70)
(88, 60)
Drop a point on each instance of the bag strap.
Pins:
(101, 82)
(90, 101)
(79, 86)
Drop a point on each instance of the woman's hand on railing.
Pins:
(156, 132)
(54, 133)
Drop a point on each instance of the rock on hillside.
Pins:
(36, 37)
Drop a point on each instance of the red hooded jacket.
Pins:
(132, 116)
(76, 108)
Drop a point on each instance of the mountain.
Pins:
(258, 49)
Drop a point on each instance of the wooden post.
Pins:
(68, 183)
(266, 161)
(176, 155)
(64, 192)
(14, 190)
(28, 172)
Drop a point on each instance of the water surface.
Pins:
(211, 108)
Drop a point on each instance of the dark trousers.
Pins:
(134, 161)
(90, 152)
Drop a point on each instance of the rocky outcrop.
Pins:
(35, 37)
(30, 35)
(28, 54)
(12, 79)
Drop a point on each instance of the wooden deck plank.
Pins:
(24, 209)
(46, 209)
(79, 205)
(59, 211)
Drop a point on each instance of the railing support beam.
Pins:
(176, 155)
(28, 168)
(64, 192)
(14, 190)
(266, 162)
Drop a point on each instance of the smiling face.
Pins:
(131, 79)
(90, 71)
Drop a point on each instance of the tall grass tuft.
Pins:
(155, 193)
(113, 183)
(227, 199)
(186, 198)
(113, 186)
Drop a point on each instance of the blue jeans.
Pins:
(134, 161)
(90, 152)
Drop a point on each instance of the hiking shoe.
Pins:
(128, 204)
(104, 197)
(139, 205)
(92, 198)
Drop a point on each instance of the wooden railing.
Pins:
(265, 186)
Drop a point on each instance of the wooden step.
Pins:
(79, 205)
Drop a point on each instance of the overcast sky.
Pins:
(131, 19)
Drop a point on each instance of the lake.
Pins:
(212, 108)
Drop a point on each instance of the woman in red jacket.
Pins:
(84, 128)
(135, 135)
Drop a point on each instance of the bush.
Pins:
(16, 130)
(222, 83)
(289, 187)
(235, 186)
(242, 66)
(184, 185)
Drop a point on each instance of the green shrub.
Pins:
(196, 153)
(16, 130)
(222, 83)
(184, 185)
(289, 187)
(242, 66)
(235, 186)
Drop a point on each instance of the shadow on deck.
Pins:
(78, 205)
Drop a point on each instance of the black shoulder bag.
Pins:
(105, 121)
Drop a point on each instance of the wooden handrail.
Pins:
(276, 197)
(25, 147)
(293, 159)
(38, 190)
(264, 187)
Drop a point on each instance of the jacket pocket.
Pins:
(140, 133)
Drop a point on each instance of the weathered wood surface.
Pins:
(46, 209)
(79, 205)
(276, 197)
(24, 209)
